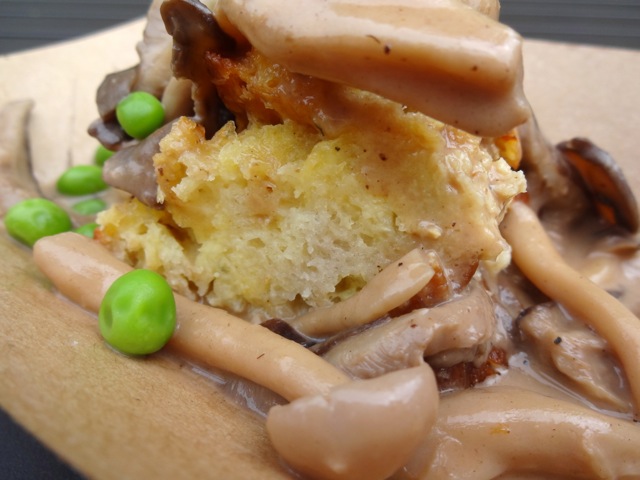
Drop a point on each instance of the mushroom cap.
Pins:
(364, 429)
(604, 180)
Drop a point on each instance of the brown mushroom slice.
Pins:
(131, 169)
(551, 187)
(195, 33)
(393, 286)
(16, 180)
(604, 180)
(364, 429)
(503, 432)
(114, 87)
(578, 354)
(464, 324)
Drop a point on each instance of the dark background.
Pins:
(29, 23)
(26, 24)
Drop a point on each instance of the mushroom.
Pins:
(577, 353)
(399, 409)
(193, 31)
(394, 285)
(506, 432)
(131, 169)
(330, 436)
(464, 324)
(154, 51)
(534, 253)
(442, 58)
(551, 186)
(196, 33)
(604, 180)
(576, 176)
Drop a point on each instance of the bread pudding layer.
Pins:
(276, 219)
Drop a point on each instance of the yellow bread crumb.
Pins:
(276, 219)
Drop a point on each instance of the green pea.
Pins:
(90, 206)
(81, 180)
(102, 155)
(87, 229)
(140, 114)
(32, 219)
(138, 313)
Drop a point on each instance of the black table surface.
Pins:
(27, 24)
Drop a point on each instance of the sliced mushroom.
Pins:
(464, 324)
(195, 33)
(215, 338)
(131, 169)
(113, 88)
(176, 98)
(575, 176)
(551, 186)
(604, 180)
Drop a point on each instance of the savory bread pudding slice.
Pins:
(280, 217)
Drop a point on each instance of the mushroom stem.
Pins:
(393, 286)
(535, 255)
(501, 432)
(207, 335)
(403, 403)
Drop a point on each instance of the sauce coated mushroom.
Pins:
(324, 395)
